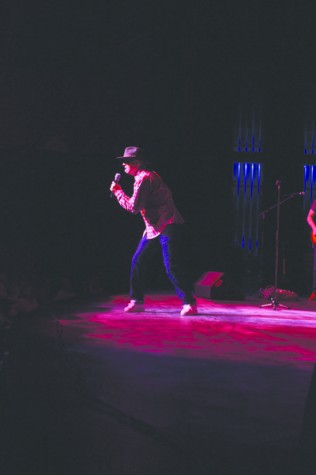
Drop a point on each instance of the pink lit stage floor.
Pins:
(235, 376)
(222, 330)
(222, 392)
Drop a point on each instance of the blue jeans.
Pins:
(314, 269)
(170, 242)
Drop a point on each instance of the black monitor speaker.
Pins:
(216, 285)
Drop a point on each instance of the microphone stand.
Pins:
(274, 298)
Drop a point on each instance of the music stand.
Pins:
(274, 303)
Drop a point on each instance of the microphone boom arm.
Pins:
(264, 212)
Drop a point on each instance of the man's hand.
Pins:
(115, 187)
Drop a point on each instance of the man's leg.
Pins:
(313, 294)
(176, 272)
(144, 251)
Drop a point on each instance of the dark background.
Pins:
(81, 82)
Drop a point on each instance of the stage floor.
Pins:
(103, 391)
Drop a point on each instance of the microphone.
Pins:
(117, 178)
(302, 193)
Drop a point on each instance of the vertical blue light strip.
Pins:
(312, 180)
(251, 206)
(247, 188)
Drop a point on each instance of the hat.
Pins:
(133, 153)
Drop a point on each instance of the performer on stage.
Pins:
(312, 223)
(163, 226)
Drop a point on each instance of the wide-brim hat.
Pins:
(133, 153)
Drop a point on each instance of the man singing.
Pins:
(163, 225)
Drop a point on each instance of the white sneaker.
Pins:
(134, 306)
(188, 309)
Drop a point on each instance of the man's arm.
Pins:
(311, 221)
(136, 202)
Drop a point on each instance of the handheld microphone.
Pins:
(117, 178)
